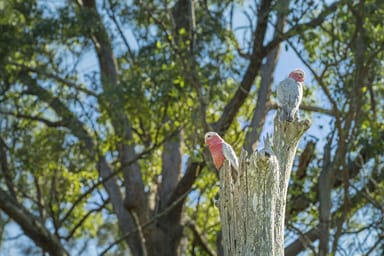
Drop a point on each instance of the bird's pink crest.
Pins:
(298, 75)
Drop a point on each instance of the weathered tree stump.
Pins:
(252, 207)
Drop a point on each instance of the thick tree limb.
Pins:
(112, 102)
(31, 226)
(150, 222)
(233, 106)
(254, 194)
(171, 166)
(186, 182)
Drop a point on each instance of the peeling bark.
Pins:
(252, 208)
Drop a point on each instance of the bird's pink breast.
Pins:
(217, 154)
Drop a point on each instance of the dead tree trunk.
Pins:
(252, 208)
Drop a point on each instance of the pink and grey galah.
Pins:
(290, 94)
(220, 150)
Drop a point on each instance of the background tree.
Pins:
(104, 106)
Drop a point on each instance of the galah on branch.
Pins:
(290, 94)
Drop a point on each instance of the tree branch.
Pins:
(186, 182)
(47, 122)
(113, 17)
(31, 226)
(6, 172)
(296, 30)
(54, 77)
(313, 234)
(201, 241)
(134, 186)
(326, 180)
(164, 212)
(319, 79)
(171, 166)
(84, 218)
(78, 129)
(258, 53)
(110, 176)
(310, 108)
(267, 70)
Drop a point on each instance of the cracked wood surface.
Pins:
(252, 208)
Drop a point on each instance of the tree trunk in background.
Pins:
(252, 208)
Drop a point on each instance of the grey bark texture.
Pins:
(252, 208)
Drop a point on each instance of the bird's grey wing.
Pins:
(283, 92)
(294, 93)
(230, 154)
(290, 93)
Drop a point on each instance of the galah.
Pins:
(290, 94)
(220, 150)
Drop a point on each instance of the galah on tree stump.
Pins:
(290, 94)
(220, 150)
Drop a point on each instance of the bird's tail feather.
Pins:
(290, 115)
(287, 114)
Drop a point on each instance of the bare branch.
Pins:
(111, 14)
(309, 108)
(318, 78)
(296, 30)
(84, 218)
(304, 238)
